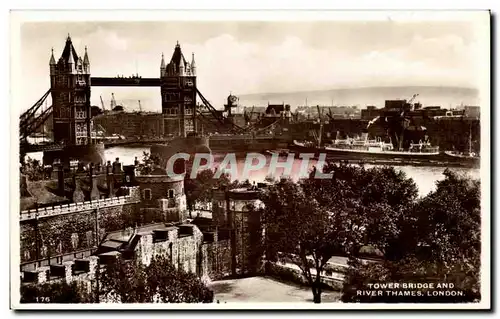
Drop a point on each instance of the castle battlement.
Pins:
(132, 197)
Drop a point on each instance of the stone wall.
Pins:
(159, 189)
(216, 259)
(182, 245)
(64, 232)
(57, 235)
(78, 207)
(82, 270)
(248, 242)
(332, 279)
(60, 235)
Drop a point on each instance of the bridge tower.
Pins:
(70, 89)
(178, 94)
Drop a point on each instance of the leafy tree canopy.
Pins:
(313, 220)
(128, 281)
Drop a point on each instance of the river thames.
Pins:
(425, 177)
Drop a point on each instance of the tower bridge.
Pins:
(70, 91)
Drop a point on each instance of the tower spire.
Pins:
(52, 60)
(163, 68)
(71, 61)
(181, 66)
(193, 65)
(86, 57)
(86, 62)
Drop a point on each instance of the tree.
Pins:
(33, 169)
(448, 225)
(128, 281)
(199, 189)
(313, 220)
(378, 198)
(303, 232)
(123, 281)
(442, 245)
(168, 284)
(149, 162)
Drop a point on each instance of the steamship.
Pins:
(364, 148)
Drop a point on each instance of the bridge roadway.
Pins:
(30, 148)
(130, 81)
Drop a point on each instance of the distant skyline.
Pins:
(260, 57)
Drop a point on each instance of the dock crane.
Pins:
(405, 121)
(102, 104)
(412, 99)
(330, 113)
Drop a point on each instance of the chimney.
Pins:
(58, 169)
(117, 166)
(110, 180)
(129, 175)
(94, 191)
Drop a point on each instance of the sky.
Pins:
(258, 57)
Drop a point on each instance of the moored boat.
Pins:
(279, 152)
(376, 148)
(469, 157)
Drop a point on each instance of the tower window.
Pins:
(170, 193)
(147, 194)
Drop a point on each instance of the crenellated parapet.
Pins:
(81, 269)
(132, 197)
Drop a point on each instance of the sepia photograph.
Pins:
(250, 160)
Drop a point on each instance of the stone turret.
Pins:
(86, 62)
(181, 67)
(193, 66)
(163, 68)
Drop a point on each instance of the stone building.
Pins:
(131, 124)
(122, 211)
(162, 195)
(237, 211)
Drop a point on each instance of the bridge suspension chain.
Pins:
(32, 110)
(30, 122)
(215, 114)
